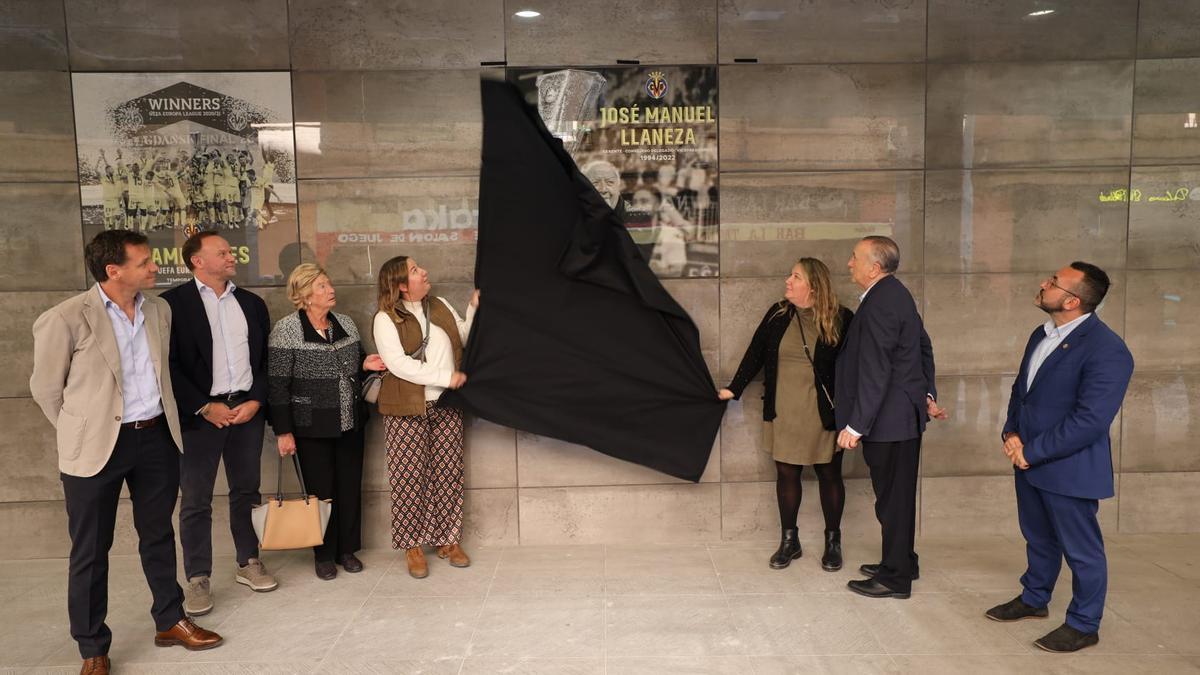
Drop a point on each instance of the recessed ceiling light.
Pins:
(528, 14)
(1041, 12)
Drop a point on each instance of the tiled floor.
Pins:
(631, 609)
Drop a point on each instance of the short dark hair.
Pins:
(886, 252)
(1093, 288)
(108, 248)
(193, 245)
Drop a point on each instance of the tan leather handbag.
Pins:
(291, 523)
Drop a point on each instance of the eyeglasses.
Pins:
(1052, 280)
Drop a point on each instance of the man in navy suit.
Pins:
(884, 383)
(1070, 386)
(219, 367)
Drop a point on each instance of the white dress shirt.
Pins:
(438, 367)
(863, 295)
(1054, 337)
(139, 382)
(230, 339)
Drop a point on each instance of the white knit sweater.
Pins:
(435, 372)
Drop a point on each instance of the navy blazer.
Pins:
(192, 348)
(885, 368)
(1064, 418)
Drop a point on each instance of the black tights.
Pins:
(829, 480)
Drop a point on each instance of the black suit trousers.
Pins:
(148, 461)
(333, 469)
(894, 477)
(240, 447)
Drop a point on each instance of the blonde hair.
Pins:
(301, 280)
(826, 308)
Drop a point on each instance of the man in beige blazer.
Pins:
(101, 376)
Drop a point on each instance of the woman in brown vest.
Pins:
(420, 338)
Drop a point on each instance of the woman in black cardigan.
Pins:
(315, 362)
(797, 344)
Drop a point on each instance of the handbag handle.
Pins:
(279, 482)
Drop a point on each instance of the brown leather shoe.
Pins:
(187, 635)
(458, 557)
(416, 563)
(97, 665)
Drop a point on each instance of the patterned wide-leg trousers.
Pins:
(425, 469)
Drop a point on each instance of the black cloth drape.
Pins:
(575, 338)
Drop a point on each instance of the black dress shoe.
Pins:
(874, 589)
(789, 550)
(832, 560)
(1066, 639)
(350, 563)
(871, 571)
(1015, 610)
(326, 570)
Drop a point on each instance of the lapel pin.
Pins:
(1065, 345)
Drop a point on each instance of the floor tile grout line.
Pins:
(604, 610)
(871, 630)
(742, 635)
(357, 612)
(479, 613)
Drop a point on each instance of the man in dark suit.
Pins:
(1071, 384)
(219, 366)
(885, 395)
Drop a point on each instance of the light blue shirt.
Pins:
(1054, 337)
(230, 338)
(139, 381)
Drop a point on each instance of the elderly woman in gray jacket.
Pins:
(315, 365)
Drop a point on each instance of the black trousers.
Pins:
(894, 477)
(148, 461)
(240, 446)
(333, 469)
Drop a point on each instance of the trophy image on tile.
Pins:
(567, 98)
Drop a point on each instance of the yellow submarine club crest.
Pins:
(656, 85)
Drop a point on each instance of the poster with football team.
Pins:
(170, 154)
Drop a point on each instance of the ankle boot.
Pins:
(789, 550)
(832, 560)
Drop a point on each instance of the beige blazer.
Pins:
(77, 377)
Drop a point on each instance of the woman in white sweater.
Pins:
(420, 338)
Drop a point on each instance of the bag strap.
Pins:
(419, 352)
(808, 355)
(279, 480)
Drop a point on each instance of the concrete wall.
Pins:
(980, 135)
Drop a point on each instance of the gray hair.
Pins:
(885, 251)
(599, 167)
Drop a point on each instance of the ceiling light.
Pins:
(1041, 12)
(528, 14)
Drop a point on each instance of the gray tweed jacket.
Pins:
(315, 384)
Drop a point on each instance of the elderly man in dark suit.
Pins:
(885, 395)
(1071, 384)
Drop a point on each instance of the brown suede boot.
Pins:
(416, 563)
(458, 557)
